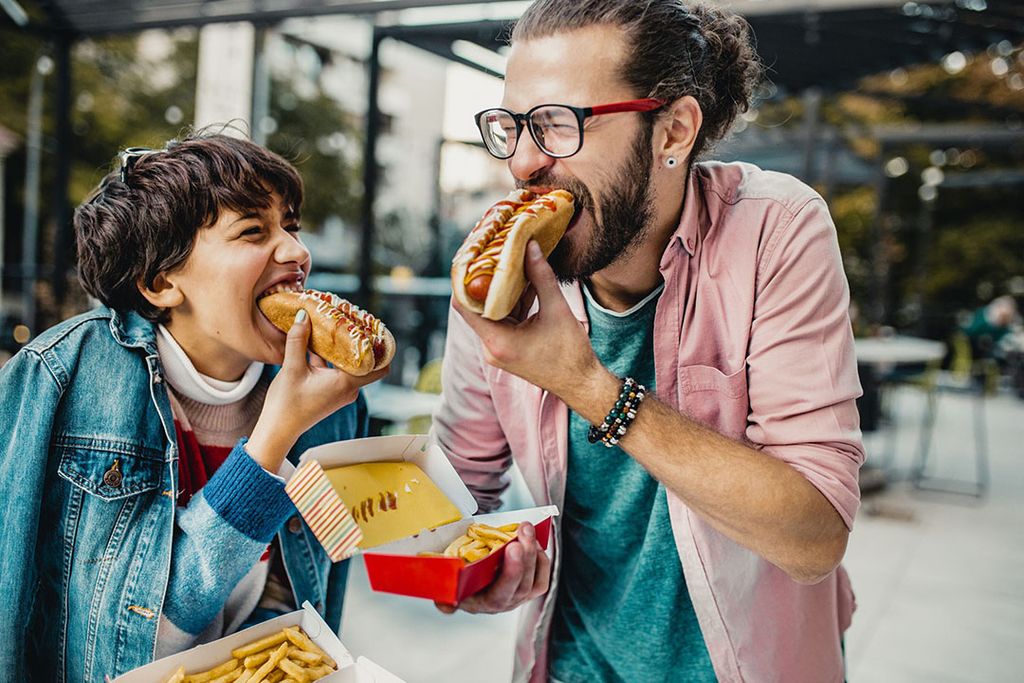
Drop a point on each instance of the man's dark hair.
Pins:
(129, 232)
(676, 49)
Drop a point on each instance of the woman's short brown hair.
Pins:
(131, 230)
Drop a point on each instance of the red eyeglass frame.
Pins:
(582, 114)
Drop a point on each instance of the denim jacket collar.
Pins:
(131, 330)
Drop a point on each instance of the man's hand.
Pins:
(525, 574)
(304, 392)
(550, 349)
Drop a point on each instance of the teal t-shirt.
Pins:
(623, 612)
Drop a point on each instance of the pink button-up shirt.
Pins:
(752, 338)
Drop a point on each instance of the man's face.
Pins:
(232, 263)
(610, 175)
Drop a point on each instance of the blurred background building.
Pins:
(906, 116)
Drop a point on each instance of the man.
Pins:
(705, 545)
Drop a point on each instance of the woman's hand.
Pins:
(304, 392)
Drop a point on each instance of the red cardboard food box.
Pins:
(395, 567)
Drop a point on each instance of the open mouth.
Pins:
(292, 283)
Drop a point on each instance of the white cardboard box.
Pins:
(323, 509)
(205, 657)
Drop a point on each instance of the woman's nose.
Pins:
(291, 249)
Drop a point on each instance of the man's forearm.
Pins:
(753, 498)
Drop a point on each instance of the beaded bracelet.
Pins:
(621, 415)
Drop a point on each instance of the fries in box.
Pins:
(455, 561)
(479, 541)
(297, 646)
(289, 654)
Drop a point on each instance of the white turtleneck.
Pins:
(186, 380)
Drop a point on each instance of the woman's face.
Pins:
(233, 262)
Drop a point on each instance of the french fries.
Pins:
(479, 541)
(289, 655)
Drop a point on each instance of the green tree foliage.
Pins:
(325, 143)
(138, 90)
(971, 245)
(977, 249)
(128, 92)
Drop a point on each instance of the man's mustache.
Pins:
(578, 190)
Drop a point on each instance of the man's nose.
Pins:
(528, 161)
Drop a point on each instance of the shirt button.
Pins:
(112, 477)
(295, 524)
(689, 242)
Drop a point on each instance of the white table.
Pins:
(898, 350)
(878, 356)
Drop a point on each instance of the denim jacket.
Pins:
(88, 466)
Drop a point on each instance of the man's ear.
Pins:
(680, 125)
(163, 293)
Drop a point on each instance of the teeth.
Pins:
(293, 286)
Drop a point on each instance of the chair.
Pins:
(977, 378)
(428, 381)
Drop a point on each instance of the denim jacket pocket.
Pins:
(110, 469)
(715, 399)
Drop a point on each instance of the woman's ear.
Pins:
(163, 293)
(681, 124)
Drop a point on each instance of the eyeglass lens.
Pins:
(555, 129)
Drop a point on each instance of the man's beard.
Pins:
(625, 214)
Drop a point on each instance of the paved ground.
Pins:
(939, 579)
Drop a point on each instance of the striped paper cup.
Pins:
(323, 510)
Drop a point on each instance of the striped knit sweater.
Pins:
(229, 510)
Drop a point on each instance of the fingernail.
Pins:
(535, 252)
(528, 532)
(301, 315)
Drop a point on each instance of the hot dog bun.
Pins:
(343, 334)
(526, 216)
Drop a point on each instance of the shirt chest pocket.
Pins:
(109, 469)
(715, 399)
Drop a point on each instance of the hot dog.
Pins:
(343, 334)
(487, 271)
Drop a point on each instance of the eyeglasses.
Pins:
(556, 128)
(130, 155)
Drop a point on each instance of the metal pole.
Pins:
(260, 86)
(828, 170)
(43, 65)
(3, 230)
(877, 284)
(62, 209)
(925, 224)
(370, 173)
(812, 116)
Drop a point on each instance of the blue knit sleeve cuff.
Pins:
(248, 497)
